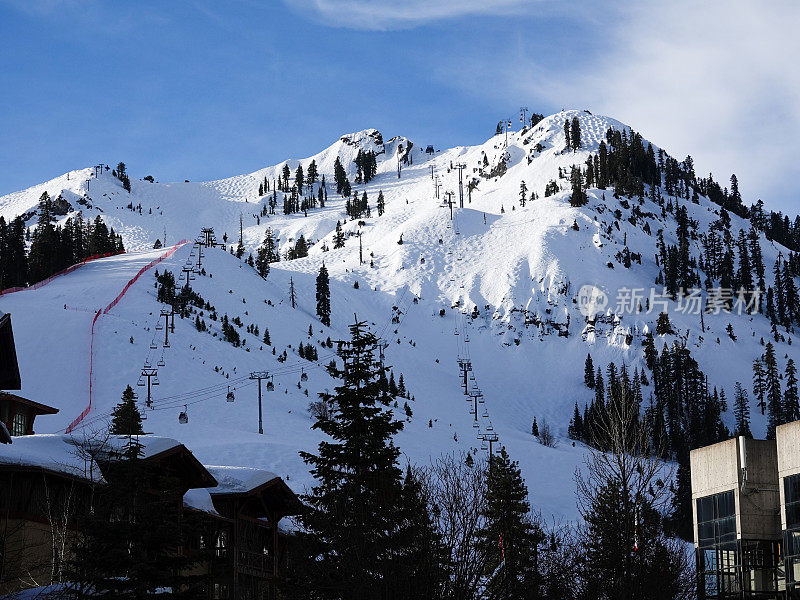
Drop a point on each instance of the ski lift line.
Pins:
(210, 392)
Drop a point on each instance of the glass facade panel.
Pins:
(717, 554)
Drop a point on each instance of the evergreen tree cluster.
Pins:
(121, 174)
(267, 253)
(356, 207)
(374, 532)
(366, 166)
(781, 405)
(682, 413)
(52, 247)
(340, 177)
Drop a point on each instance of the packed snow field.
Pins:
(521, 267)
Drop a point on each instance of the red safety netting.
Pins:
(103, 311)
(69, 269)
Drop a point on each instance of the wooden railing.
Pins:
(254, 563)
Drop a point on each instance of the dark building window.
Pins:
(19, 426)
(717, 552)
(791, 537)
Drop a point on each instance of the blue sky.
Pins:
(203, 90)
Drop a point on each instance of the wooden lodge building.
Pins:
(232, 514)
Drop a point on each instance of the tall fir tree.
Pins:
(773, 391)
(353, 527)
(324, 296)
(575, 133)
(588, 372)
(125, 417)
(509, 537)
(791, 409)
(741, 411)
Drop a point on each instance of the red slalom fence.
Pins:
(105, 310)
(69, 269)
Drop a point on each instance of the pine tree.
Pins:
(286, 172)
(588, 372)
(267, 253)
(338, 236)
(773, 391)
(791, 410)
(509, 538)
(353, 527)
(575, 133)
(323, 297)
(759, 384)
(566, 133)
(535, 428)
(299, 178)
(741, 411)
(381, 203)
(125, 417)
(578, 197)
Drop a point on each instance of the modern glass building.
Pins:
(737, 535)
(746, 501)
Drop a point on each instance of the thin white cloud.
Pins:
(716, 79)
(400, 14)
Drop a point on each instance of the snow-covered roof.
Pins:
(200, 499)
(238, 479)
(71, 455)
(230, 480)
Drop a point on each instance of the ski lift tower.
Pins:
(460, 166)
(491, 438)
(259, 376)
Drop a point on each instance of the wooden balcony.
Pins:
(256, 564)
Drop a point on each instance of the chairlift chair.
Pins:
(475, 425)
(490, 428)
(153, 346)
(229, 397)
(304, 376)
(159, 326)
(183, 417)
(140, 383)
(270, 386)
(147, 364)
(160, 362)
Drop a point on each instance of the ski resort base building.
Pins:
(746, 511)
(232, 514)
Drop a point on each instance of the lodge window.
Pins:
(19, 426)
(717, 552)
(221, 546)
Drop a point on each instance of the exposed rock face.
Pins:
(61, 207)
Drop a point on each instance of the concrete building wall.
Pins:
(719, 468)
(758, 499)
